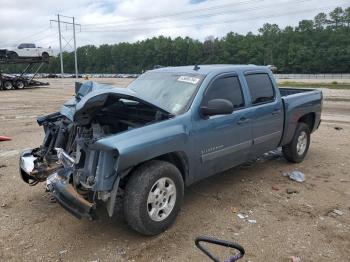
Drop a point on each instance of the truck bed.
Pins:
(298, 102)
(292, 91)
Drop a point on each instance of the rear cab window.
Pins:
(228, 88)
(260, 88)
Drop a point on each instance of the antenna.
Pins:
(196, 67)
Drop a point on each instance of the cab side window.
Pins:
(260, 88)
(228, 88)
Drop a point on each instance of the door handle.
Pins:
(276, 112)
(243, 120)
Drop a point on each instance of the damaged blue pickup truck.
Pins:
(168, 129)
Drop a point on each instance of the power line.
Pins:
(211, 23)
(174, 14)
(218, 13)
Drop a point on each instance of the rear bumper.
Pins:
(68, 197)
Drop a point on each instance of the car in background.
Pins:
(29, 50)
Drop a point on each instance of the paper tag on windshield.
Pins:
(188, 79)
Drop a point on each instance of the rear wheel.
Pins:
(45, 56)
(297, 149)
(8, 85)
(20, 84)
(153, 197)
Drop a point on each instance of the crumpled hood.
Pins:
(92, 97)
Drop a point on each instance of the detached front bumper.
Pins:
(68, 197)
(57, 177)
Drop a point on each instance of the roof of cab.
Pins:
(206, 69)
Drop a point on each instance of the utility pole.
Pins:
(59, 35)
(59, 22)
(75, 50)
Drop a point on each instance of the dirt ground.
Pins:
(300, 224)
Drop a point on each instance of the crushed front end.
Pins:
(77, 171)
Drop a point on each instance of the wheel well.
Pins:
(45, 53)
(12, 53)
(179, 159)
(308, 119)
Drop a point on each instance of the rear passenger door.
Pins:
(267, 112)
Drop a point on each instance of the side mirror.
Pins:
(217, 107)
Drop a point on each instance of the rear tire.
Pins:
(153, 197)
(8, 85)
(297, 149)
(20, 84)
(45, 56)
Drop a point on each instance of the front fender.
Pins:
(142, 144)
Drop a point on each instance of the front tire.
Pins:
(297, 149)
(153, 197)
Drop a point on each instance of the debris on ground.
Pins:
(1, 166)
(242, 216)
(292, 191)
(296, 176)
(234, 209)
(28, 246)
(3, 205)
(275, 188)
(295, 259)
(338, 128)
(52, 200)
(276, 153)
(336, 212)
(5, 138)
(62, 252)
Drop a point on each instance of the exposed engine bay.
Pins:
(68, 152)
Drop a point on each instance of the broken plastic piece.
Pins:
(27, 163)
(296, 176)
(64, 158)
(242, 216)
(5, 138)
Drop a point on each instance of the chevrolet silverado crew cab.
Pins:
(29, 50)
(168, 129)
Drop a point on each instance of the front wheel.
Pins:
(153, 197)
(297, 149)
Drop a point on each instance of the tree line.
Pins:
(321, 45)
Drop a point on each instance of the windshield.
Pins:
(170, 91)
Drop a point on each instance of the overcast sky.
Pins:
(112, 21)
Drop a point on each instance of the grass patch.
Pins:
(332, 85)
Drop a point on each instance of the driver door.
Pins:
(222, 141)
